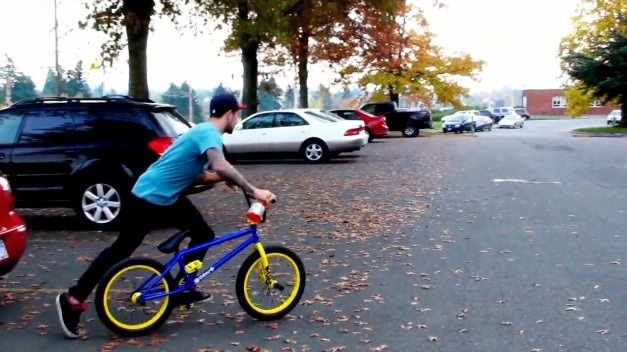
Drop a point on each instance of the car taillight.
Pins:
(160, 144)
(353, 131)
(6, 188)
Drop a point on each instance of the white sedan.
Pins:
(613, 117)
(512, 120)
(309, 133)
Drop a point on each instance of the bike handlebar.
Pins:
(248, 200)
(273, 200)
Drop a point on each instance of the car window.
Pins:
(260, 121)
(320, 116)
(382, 108)
(288, 120)
(455, 118)
(171, 123)
(369, 108)
(46, 126)
(330, 115)
(115, 124)
(346, 115)
(350, 115)
(9, 125)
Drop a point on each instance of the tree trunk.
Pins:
(393, 96)
(249, 47)
(303, 58)
(137, 15)
(623, 111)
(249, 92)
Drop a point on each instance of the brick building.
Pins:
(553, 102)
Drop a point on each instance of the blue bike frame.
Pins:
(192, 279)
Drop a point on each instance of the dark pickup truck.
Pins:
(408, 121)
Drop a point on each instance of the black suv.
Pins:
(83, 154)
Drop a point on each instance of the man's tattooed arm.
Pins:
(218, 163)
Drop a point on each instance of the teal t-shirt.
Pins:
(179, 166)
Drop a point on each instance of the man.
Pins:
(157, 195)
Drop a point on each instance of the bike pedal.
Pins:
(184, 306)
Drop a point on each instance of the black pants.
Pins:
(141, 218)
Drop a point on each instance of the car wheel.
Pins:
(99, 202)
(370, 137)
(410, 131)
(315, 151)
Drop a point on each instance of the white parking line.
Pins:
(524, 181)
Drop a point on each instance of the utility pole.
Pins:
(57, 85)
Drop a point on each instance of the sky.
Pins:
(517, 39)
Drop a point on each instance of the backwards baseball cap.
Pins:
(223, 103)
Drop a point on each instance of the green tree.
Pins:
(127, 23)
(99, 90)
(269, 95)
(179, 96)
(50, 85)
(325, 97)
(595, 22)
(76, 86)
(22, 86)
(288, 100)
(220, 90)
(253, 23)
(601, 71)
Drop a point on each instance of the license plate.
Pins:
(3, 251)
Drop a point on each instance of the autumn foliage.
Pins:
(594, 23)
(395, 54)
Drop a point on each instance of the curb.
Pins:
(607, 135)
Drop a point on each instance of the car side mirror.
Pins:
(239, 126)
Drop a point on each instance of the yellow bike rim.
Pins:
(253, 268)
(146, 324)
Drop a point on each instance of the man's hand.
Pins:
(263, 195)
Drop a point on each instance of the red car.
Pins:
(12, 230)
(375, 125)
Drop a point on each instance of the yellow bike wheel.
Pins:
(254, 281)
(131, 273)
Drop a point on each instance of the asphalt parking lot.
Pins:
(507, 240)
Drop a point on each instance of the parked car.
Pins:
(501, 112)
(512, 120)
(313, 135)
(375, 125)
(458, 123)
(614, 117)
(490, 114)
(522, 112)
(83, 154)
(13, 230)
(483, 123)
(408, 121)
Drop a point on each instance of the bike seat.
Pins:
(172, 244)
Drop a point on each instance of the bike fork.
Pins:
(264, 269)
